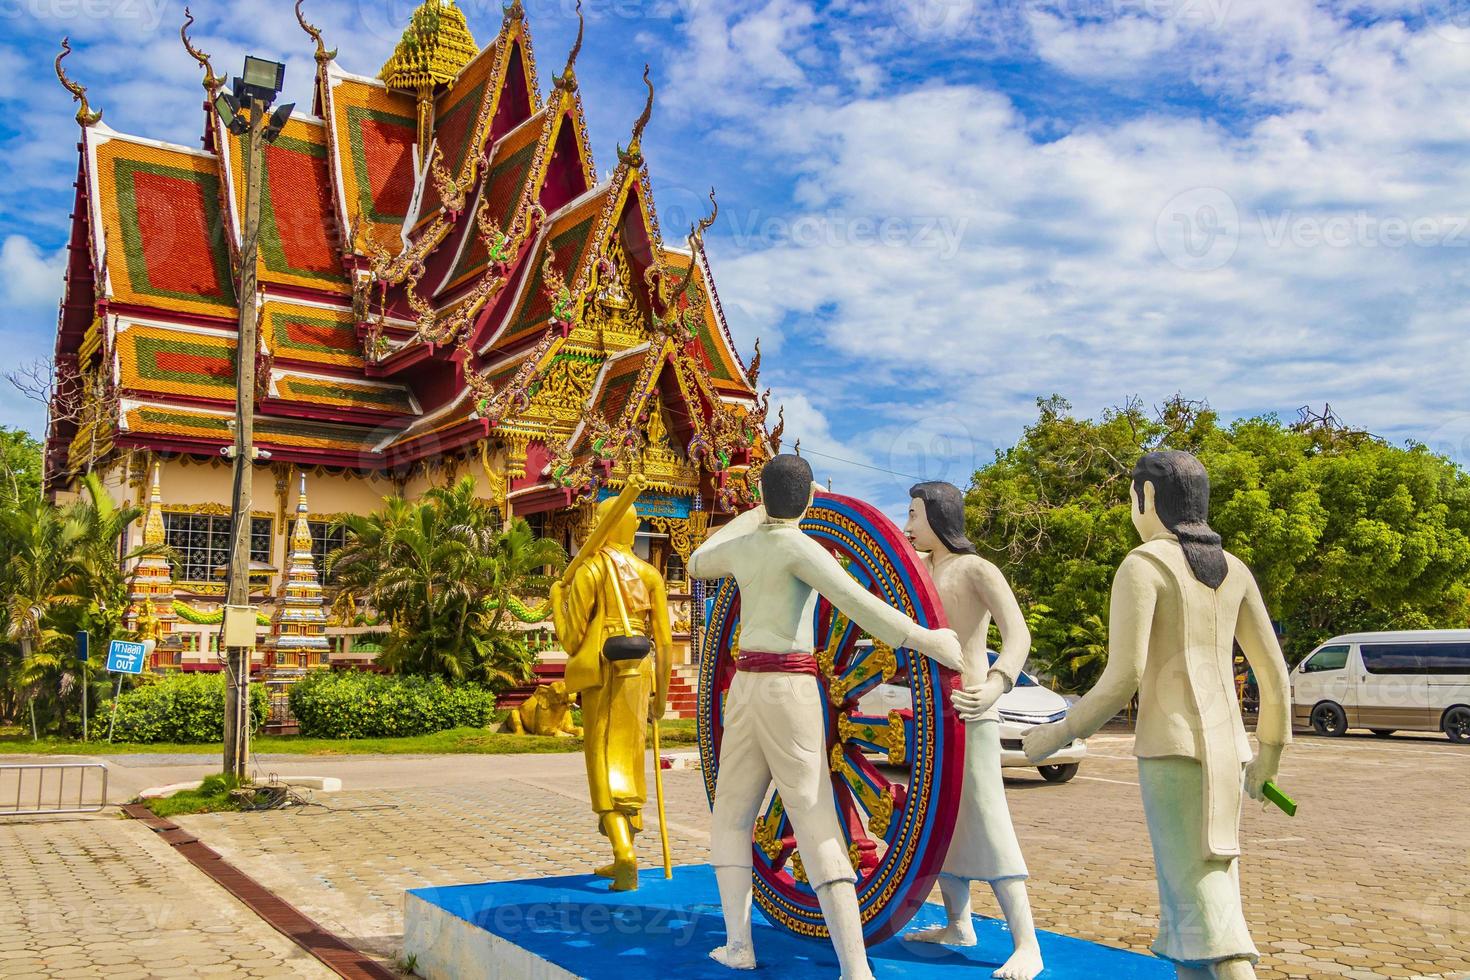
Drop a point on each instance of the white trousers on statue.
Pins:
(774, 732)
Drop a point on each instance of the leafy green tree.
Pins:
(438, 573)
(1342, 530)
(20, 468)
(66, 572)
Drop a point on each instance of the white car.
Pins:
(1026, 705)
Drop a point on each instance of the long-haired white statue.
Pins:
(774, 722)
(984, 847)
(1179, 602)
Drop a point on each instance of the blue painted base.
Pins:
(668, 926)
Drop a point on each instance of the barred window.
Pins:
(325, 539)
(201, 544)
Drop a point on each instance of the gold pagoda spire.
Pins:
(434, 49)
(153, 520)
(150, 611)
(298, 637)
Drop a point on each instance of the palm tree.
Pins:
(437, 574)
(66, 573)
(1078, 665)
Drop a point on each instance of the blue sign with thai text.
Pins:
(656, 504)
(126, 657)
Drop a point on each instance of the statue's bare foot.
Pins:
(607, 870)
(1024, 964)
(624, 876)
(735, 957)
(960, 933)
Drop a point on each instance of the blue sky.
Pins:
(934, 212)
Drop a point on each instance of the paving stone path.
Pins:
(1371, 880)
(103, 897)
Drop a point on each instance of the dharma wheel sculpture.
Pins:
(896, 777)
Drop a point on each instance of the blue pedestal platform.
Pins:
(575, 927)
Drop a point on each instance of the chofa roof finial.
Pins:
(212, 82)
(696, 238)
(567, 80)
(322, 54)
(86, 115)
(633, 155)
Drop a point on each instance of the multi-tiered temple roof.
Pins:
(440, 270)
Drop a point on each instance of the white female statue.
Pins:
(984, 846)
(774, 721)
(1179, 602)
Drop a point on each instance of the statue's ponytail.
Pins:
(1182, 499)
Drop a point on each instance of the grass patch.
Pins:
(675, 733)
(212, 796)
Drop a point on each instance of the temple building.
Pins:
(445, 287)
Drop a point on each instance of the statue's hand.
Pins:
(1262, 770)
(972, 703)
(1045, 740)
(657, 706)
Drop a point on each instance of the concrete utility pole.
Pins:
(237, 694)
(254, 90)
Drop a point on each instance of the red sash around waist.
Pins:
(777, 663)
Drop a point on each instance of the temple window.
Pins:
(674, 568)
(326, 537)
(201, 544)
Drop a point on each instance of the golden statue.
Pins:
(610, 610)
(548, 711)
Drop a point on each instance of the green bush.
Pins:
(354, 704)
(179, 708)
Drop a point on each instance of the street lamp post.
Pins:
(246, 113)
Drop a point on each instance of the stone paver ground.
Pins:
(1370, 880)
(104, 897)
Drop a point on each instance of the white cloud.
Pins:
(28, 277)
(1340, 199)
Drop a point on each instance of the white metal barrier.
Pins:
(31, 789)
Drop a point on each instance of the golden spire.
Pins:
(301, 537)
(85, 113)
(153, 518)
(212, 82)
(633, 155)
(434, 49)
(322, 54)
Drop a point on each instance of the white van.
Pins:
(1412, 680)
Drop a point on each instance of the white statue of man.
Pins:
(774, 727)
(984, 846)
(1179, 602)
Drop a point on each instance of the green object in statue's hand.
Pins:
(1273, 793)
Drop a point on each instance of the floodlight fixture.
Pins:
(261, 80)
(228, 108)
(277, 122)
